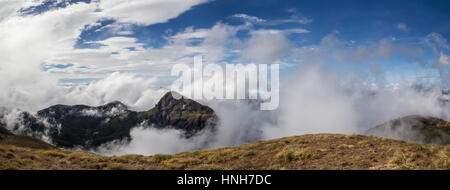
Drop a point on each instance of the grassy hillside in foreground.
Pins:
(320, 151)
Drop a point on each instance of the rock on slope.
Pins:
(88, 127)
(415, 128)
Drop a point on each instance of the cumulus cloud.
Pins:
(266, 46)
(9, 8)
(313, 100)
(31, 42)
(140, 93)
(149, 141)
(27, 41)
(240, 122)
(49, 38)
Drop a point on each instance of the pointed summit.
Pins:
(181, 113)
(88, 127)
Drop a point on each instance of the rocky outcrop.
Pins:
(180, 113)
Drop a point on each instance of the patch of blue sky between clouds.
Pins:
(357, 23)
(48, 5)
(77, 80)
(46, 67)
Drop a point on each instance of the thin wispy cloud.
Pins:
(402, 27)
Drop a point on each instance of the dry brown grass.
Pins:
(321, 151)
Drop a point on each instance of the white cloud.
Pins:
(402, 27)
(315, 100)
(444, 59)
(10, 8)
(27, 41)
(140, 93)
(47, 38)
(91, 113)
(331, 40)
(150, 141)
(439, 45)
(443, 66)
(436, 41)
(266, 46)
(296, 31)
(336, 50)
(145, 12)
(115, 28)
(190, 33)
(249, 18)
(295, 18)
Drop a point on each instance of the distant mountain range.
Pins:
(88, 127)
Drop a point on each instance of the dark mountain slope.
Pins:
(415, 128)
(181, 113)
(88, 127)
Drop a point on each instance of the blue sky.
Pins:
(388, 40)
(358, 22)
(361, 21)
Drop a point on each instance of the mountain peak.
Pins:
(169, 99)
(175, 102)
(116, 103)
(181, 113)
(172, 95)
(89, 127)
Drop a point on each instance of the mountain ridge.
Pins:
(8, 138)
(88, 127)
(414, 128)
